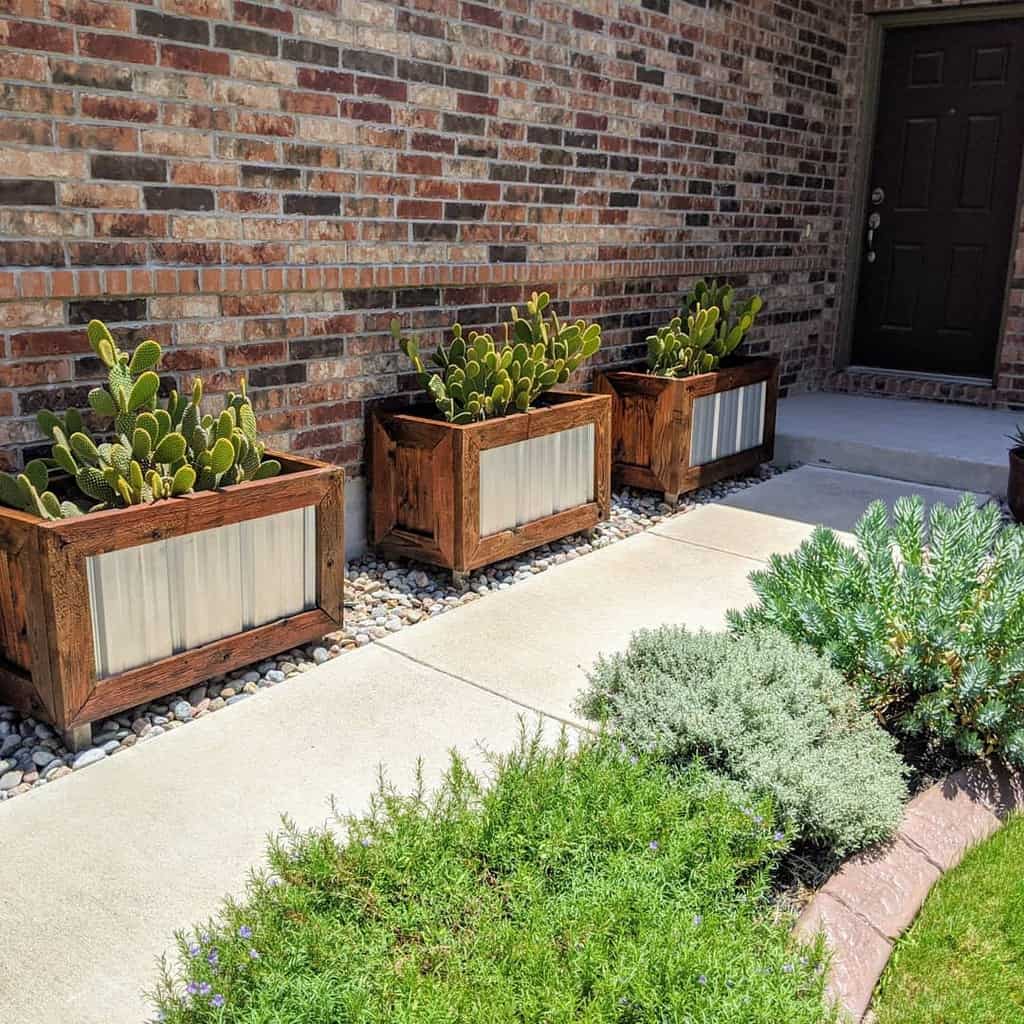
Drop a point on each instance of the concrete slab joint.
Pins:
(875, 896)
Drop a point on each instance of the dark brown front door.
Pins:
(942, 198)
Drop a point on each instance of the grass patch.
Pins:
(584, 887)
(962, 961)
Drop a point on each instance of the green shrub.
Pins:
(765, 712)
(577, 888)
(928, 623)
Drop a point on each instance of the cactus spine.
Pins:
(152, 452)
(479, 379)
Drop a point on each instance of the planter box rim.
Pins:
(415, 413)
(302, 466)
(742, 362)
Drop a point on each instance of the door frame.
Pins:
(874, 41)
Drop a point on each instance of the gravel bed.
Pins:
(381, 597)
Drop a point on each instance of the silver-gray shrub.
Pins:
(925, 616)
(765, 712)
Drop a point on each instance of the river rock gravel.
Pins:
(381, 597)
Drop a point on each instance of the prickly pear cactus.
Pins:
(479, 379)
(149, 452)
(689, 344)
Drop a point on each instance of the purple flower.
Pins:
(697, 918)
(366, 841)
(204, 938)
(213, 958)
(204, 988)
(192, 988)
(787, 968)
(273, 881)
(217, 1001)
(779, 836)
(653, 844)
(634, 759)
(254, 954)
(758, 819)
(702, 979)
(245, 932)
(194, 950)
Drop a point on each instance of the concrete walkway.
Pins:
(99, 869)
(928, 442)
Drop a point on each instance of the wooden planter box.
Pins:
(106, 611)
(677, 435)
(463, 496)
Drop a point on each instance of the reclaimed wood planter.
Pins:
(112, 609)
(674, 435)
(464, 496)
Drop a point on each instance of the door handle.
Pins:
(874, 221)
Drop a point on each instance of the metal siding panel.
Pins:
(728, 415)
(528, 480)
(753, 416)
(154, 600)
(727, 422)
(702, 435)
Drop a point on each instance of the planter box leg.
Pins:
(671, 498)
(78, 737)
(460, 579)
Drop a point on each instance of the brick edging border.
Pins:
(873, 898)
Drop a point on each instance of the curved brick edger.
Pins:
(866, 905)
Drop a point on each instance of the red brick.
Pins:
(120, 48)
(263, 17)
(93, 14)
(117, 108)
(191, 58)
(384, 87)
(360, 111)
(264, 124)
(325, 81)
(21, 375)
(35, 344)
(131, 225)
(30, 35)
(416, 209)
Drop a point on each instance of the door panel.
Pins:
(946, 158)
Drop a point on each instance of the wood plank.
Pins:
(14, 645)
(44, 670)
(69, 620)
(18, 690)
(383, 505)
(116, 693)
(443, 471)
(467, 502)
(413, 489)
(731, 465)
(119, 528)
(498, 546)
(750, 371)
(330, 549)
(603, 460)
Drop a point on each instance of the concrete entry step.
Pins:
(955, 446)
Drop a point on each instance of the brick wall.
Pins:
(260, 187)
(1009, 377)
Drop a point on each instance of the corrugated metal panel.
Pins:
(528, 480)
(158, 599)
(727, 422)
